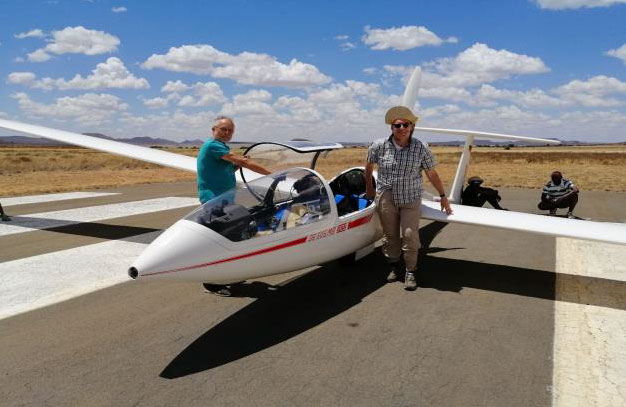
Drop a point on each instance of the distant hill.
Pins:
(150, 141)
(23, 140)
(141, 141)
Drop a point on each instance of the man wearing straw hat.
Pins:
(400, 159)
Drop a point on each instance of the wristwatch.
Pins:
(442, 195)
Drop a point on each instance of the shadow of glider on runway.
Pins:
(326, 292)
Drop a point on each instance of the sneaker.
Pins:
(393, 274)
(552, 212)
(570, 215)
(409, 281)
(217, 289)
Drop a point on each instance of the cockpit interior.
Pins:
(285, 199)
(266, 205)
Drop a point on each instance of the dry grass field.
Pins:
(33, 170)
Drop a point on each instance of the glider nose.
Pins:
(180, 248)
(133, 273)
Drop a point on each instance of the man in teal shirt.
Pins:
(216, 163)
(216, 173)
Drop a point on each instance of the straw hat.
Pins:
(400, 112)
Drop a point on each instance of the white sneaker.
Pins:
(395, 272)
(409, 281)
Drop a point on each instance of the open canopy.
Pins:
(281, 156)
(266, 205)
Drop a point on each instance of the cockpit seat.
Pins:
(233, 222)
(349, 191)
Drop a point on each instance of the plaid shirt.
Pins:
(400, 170)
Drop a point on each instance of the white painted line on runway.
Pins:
(21, 200)
(589, 340)
(39, 281)
(46, 220)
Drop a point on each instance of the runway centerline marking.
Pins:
(589, 361)
(39, 281)
(47, 220)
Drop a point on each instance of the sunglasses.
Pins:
(398, 125)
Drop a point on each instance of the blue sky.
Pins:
(321, 70)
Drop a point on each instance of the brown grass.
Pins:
(33, 170)
(597, 168)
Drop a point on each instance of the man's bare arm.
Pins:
(434, 179)
(563, 197)
(245, 162)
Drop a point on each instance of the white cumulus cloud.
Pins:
(88, 108)
(537, 98)
(174, 87)
(593, 92)
(402, 38)
(39, 55)
(36, 33)
(22, 78)
(76, 40)
(252, 103)
(155, 103)
(448, 78)
(109, 74)
(345, 45)
(119, 9)
(479, 64)
(205, 94)
(574, 4)
(196, 95)
(619, 53)
(246, 68)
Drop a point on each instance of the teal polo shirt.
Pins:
(215, 175)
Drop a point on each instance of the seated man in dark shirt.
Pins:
(475, 195)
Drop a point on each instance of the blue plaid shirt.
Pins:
(400, 170)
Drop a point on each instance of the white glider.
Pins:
(295, 218)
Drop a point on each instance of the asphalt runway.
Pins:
(484, 327)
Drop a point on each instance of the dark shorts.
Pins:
(565, 203)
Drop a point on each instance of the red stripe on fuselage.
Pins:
(360, 221)
(243, 256)
(352, 224)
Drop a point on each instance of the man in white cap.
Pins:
(400, 159)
